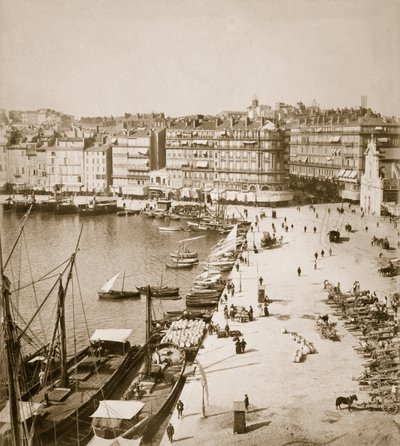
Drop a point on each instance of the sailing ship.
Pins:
(108, 292)
(135, 419)
(55, 408)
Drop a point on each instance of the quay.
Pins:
(292, 403)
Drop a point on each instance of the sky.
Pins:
(107, 57)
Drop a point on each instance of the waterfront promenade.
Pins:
(292, 403)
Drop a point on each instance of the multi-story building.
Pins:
(241, 159)
(134, 155)
(380, 184)
(65, 164)
(333, 149)
(97, 174)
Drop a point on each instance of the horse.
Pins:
(345, 400)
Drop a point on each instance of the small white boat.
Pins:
(183, 251)
(169, 228)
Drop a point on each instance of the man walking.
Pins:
(243, 344)
(170, 432)
(180, 408)
(299, 271)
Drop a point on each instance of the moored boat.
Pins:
(169, 228)
(65, 208)
(161, 291)
(95, 208)
(108, 292)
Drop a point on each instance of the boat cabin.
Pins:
(115, 417)
(111, 341)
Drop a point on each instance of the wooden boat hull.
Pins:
(161, 292)
(98, 210)
(66, 209)
(49, 430)
(177, 265)
(115, 294)
(168, 229)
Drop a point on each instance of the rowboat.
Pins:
(106, 291)
(161, 291)
(169, 228)
(179, 265)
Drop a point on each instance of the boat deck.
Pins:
(84, 386)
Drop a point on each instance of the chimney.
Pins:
(247, 121)
(232, 119)
(262, 121)
(195, 123)
(217, 121)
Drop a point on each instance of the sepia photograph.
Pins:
(199, 222)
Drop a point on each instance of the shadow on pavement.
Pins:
(182, 439)
(256, 426)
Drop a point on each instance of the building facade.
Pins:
(97, 168)
(134, 155)
(237, 158)
(65, 165)
(334, 151)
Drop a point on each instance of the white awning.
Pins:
(184, 163)
(353, 174)
(202, 164)
(347, 174)
(335, 139)
(27, 409)
(305, 159)
(328, 158)
(200, 142)
(112, 334)
(341, 173)
(383, 140)
(249, 142)
(120, 409)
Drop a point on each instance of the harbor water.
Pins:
(109, 244)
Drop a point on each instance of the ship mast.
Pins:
(62, 290)
(148, 331)
(12, 352)
(11, 343)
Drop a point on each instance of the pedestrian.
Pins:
(322, 253)
(305, 228)
(246, 402)
(238, 347)
(316, 215)
(329, 210)
(261, 280)
(314, 229)
(266, 312)
(284, 219)
(366, 228)
(237, 267)
(251, 313)
(377, 224)
(299, 271)
(243, 344)
(315, 264)
(170, 432)
(292, 226)
(180, 408)
(330, 251)
(233, 289)
(316, 256)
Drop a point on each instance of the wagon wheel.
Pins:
(390, 407)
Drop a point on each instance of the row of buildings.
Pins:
(259, 155)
